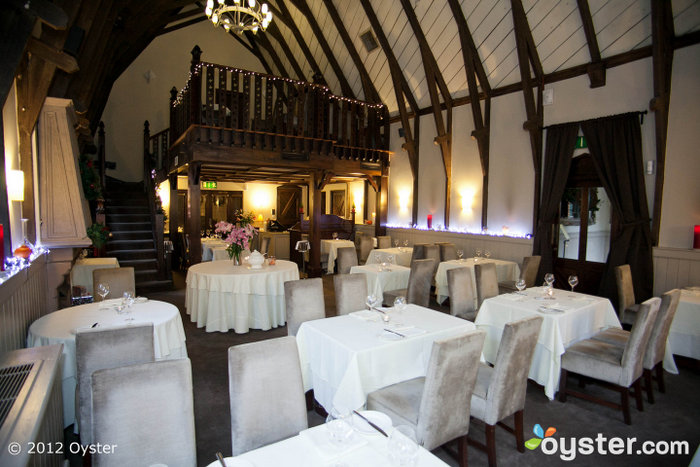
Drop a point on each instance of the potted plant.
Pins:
(98, 234)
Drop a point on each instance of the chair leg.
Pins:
(638, 394)
(648, 386)
(625, 396)
(660, 377)
(519, 437)
(462, 447)
(562, 386)
(491, 444)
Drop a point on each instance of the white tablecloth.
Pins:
(396, 277)
(584, 316)
(210, 245)
(221, 296)
(81, 272)
(506, 271)
(311, 448)
(402, 256)
(344, 358)
(330, 248)
(684, 335)
(59, 328)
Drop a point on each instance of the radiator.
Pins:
(31, 407)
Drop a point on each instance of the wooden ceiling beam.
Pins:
(662, 34)
(285, 16)
(596, 69)
(482, 121)
(403, 93)
(527, 56)
(264, 42)
(277, 34)
(52, 55)
(184, 24)
(303, 7)
(370, 92)
(255, 50)
(435, 83)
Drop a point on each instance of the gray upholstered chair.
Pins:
(384, 241)
(120, 280)
(418, 291)
(266, 393)
(350, 292)
(147, 411)
(531, 264)
(500, 390)
(460, 285)
(437, 406)
(627, 307)
(347, 258)
(264, 245)
(448, 251)
(418, 251)
(656, 347)
(486, 280)
(303, 300)
(433, 252)
(100, 348)
(619, 367)
(366, 245)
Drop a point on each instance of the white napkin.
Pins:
(366, 315)
(555, 307)
(110, 303)
(320, 439)
(512, 297)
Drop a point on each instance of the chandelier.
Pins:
(235, 15)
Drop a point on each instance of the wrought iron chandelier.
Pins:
(239, 15)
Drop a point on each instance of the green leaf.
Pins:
(533, 443)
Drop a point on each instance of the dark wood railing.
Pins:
(248, 109)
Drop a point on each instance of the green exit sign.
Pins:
(581, 142)
(209, 185)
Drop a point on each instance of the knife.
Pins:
(394, 332)
(377, 309)
(221, 459)
(376, 427)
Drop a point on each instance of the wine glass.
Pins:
(477, 254)
(400, 303)
(573, 281)
(487, 254)
(335, 235)
(402, 446)
(396, 243)
(102, 290)
(339, 425)
(127, 303)
(405, 243)
(371, 300)
(460, 253)
(520, 285)
(549, 279)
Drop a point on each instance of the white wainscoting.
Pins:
(675, 268)
(507, 248)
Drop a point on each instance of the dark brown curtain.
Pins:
(615, 144)
(560, 143)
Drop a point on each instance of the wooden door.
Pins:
(288, 204)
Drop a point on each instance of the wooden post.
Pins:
(382, 203)
(173, 215)
(195, 88)
(314, 266)
(194, 222)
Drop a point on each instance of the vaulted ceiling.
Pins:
(567, 38)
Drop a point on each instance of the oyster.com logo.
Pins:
(540, 434)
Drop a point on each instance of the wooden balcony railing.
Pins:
(254, 110)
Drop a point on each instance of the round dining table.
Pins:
(60, 327)
(222, 296)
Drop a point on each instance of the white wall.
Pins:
(12, 162)
(133, 99)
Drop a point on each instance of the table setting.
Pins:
(568, 318)
(330, 248)
(506, 271)
(401, 255)
(60, 327)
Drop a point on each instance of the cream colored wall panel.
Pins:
(606, 22)
(675, 268)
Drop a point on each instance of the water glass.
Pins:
(400, 303)
(102, 290)
(403, 447)
(127, 303)
(339, 425)
(573, 281)
(396, 243)
(371, 301)
(477, 255)
(460, 253)
(487, 254)
(549, 279)
(520, 285)
(405, 243)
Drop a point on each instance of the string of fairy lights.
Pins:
(322, 87)
(504, 232)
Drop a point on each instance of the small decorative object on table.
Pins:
(256, 260)
(237, 234)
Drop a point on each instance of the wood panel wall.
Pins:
(675, 268)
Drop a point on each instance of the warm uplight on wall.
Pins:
(467, 195)
(15, 185)
(404, 196)
(261, 200)
(163, 193)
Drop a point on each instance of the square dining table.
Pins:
(344, 358)
(684, 335)
(380, 278)
(568, 318)
(330, 248)
(506, 271)
(401, 256)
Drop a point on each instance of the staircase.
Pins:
(128, 217)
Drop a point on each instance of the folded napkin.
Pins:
(366, 315)
(512, 297)
(110, 303)
(320, 439)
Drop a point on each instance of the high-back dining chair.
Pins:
(119, 280)
(264, 245)
(486, 282)
(627, 307)
(346, 259)
(433, 252)
(531, 264)
(384, 241)
(448, 251)
(266, 393)
(418, 251)
(100, 348)
(147, 411)
(460, 286)
(350, 292)
(418, 290)
(438, 405)
(366, 245)
(303, 301)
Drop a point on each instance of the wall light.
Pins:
(404, 196)
(15, 185)
(467, 195)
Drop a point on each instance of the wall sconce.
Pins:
(15, 185)
(467, 199)
(403, 200)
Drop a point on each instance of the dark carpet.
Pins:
(674, 416)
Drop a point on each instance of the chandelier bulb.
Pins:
(251, 3)
(264, 8)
